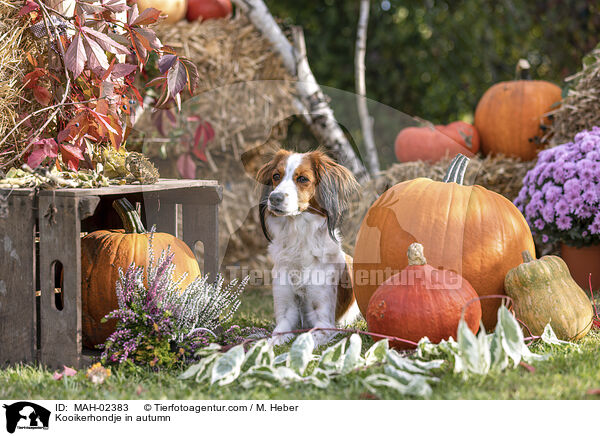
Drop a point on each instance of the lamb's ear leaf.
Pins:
(228, 367)
(333, 357)
(377, 352)
(352, 358)
(301, 353)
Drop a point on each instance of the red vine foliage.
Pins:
(88, 79)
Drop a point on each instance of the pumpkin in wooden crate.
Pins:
(469, 229)
(510, 117)
(174, 10)
(103, 252)
(422, 301)
(432, 143)
(544, 292)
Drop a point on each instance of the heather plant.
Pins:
(159, 323)
(560, 197)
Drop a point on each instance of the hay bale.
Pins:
(15, 43)
(503, 175)
(580, 109)
(247, 96)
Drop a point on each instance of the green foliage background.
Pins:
(434, 59)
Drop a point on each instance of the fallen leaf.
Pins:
(528, 367)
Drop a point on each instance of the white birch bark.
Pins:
(322, 121)
(366, 123)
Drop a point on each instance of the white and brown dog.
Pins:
(302, 202)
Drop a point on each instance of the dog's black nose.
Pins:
(276, 198)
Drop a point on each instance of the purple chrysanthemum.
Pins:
(563, 222)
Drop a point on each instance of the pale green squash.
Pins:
(544, 292)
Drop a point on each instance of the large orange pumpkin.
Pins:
(468, 229)
(432, 143)
(422, 301)
(103, 252)
(510, 114)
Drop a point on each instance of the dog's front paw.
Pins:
(322, 337)
(279, 339)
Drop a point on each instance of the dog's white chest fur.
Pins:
(302, 242)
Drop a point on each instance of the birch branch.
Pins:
(322, 122)
(366, 123)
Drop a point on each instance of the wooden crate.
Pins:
(43, 228)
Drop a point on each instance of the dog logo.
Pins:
(26, 415)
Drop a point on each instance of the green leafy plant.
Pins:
(260, 366)
(378, 368)
(485, 352)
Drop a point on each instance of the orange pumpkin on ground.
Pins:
(432, 143)
(103, 252)
(422, 301)
(468, 229)
(510, 115)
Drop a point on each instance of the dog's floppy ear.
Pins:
(335, 186)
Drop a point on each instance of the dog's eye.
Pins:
(276, 177)
(301, 179)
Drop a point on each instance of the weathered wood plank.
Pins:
(60, 241)
(17, 282)
(160, 212)
(163, 184)
(200, 223)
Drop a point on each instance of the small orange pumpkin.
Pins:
(422, 301)
(468, 229)
(510, 115)
(432, 143)
(103, 252)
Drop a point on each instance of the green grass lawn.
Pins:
(568, 374)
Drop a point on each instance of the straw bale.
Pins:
(15, 42)
(580, 109)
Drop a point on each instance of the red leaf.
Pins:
(593, 392)
(148, 16)
(30, 80)
(105, 41)
(42, 95)
(122, 70)
(166, 62)
(116, 5)
(30, 6)
(43, 148)
(95, 54)
(148, 38)
(192, 74)
(157, 81)
(75, 56)
(186, 166)
(176, 79)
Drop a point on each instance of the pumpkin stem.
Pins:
(456, 170)
(415, 254)
(527, 257)
(132, 223)
(523, 70)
